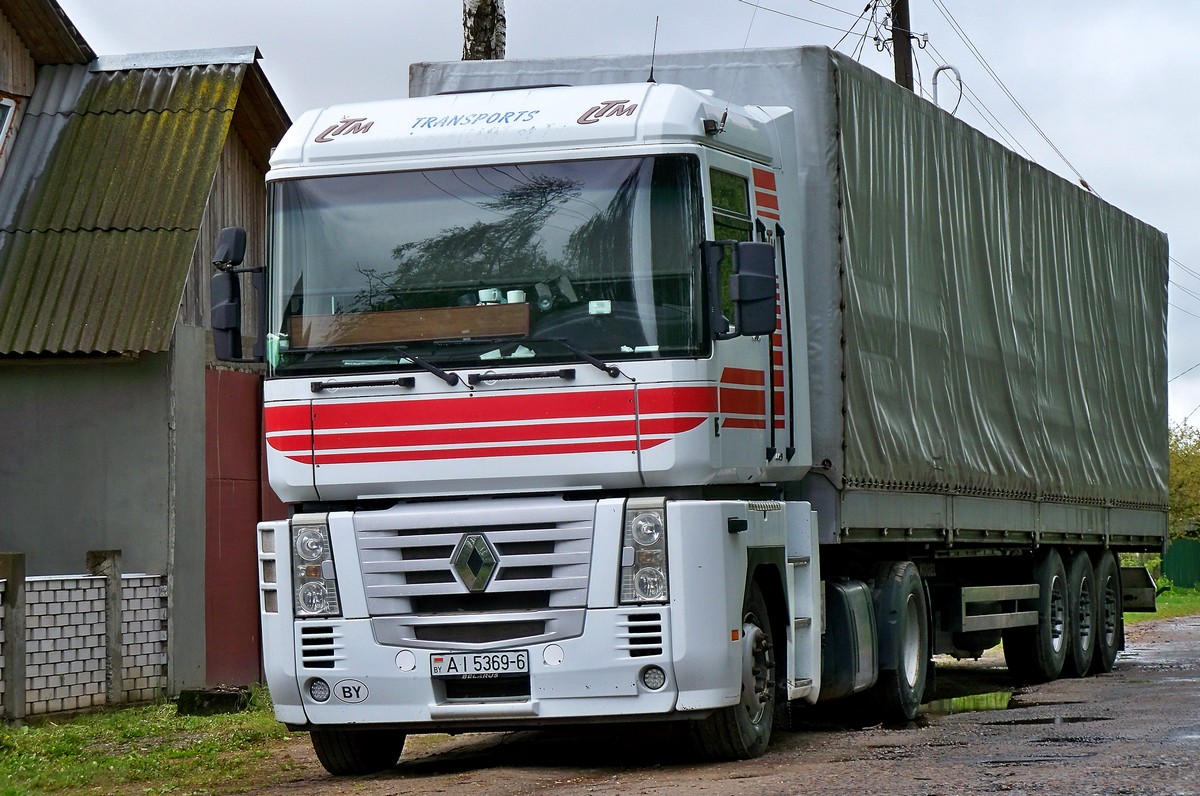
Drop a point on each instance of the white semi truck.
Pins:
(600, 400)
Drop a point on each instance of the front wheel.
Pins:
(743, 731)
(350, 752)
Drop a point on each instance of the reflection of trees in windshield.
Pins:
(603, 241)
(506, 249)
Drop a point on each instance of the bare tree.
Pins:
(483, 30)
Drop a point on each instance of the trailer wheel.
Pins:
(1081, 603)
(1110, 618)
(350, 752)
(743, 731)
(1038, 653)
(902, 615)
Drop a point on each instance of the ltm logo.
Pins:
(344, 127)
(606, 109)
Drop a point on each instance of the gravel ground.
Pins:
(1135, 731)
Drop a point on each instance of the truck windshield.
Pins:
(464, 266)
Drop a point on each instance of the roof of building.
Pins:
(47, 32)
(103, 196)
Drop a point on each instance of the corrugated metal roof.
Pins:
(102, 201)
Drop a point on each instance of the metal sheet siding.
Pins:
(102, 204)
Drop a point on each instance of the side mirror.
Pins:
(226, 315)
(231, 248)
(226, 292)
(752, 288)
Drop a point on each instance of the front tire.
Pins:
(353, 752)
(1038, 653)
(743, 731)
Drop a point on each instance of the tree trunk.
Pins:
(483, 30)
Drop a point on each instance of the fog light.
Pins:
(654, 678)
(318, 689)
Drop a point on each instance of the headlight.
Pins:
(315, 577)
(644, 552)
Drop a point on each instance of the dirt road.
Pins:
(1135, 731)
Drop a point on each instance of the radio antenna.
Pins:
(738, 71)
(653, 51)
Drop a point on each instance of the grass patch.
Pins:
(146, 750)
(1176, 602)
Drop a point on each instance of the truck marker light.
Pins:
(654, 678)
(735, 635)
(319, 690)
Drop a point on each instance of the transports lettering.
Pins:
(468, 119)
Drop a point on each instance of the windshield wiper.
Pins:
(446, 376)
(611, 370)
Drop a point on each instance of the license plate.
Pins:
(479, 665)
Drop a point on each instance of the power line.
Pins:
(1186, 372)
(962, 34)
(794, 16)
(990, 119)
(1181, 309)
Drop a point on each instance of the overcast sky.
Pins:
(1111, 84)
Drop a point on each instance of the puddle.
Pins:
(1056, 720)
(996, 700)
(1185, 735)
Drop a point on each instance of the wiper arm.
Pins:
(446, 376)
(611, 370)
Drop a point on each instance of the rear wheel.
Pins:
(1037, 653)
(743, 731)
(1081, 603)
(348, 752)
(1110, 619)
(902, 614)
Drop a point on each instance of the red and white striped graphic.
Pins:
(766, 197)
(486, 426)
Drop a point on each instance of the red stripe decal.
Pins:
(764, 179)
(736, 401)
(766, 201)
(570, 405)
(677, 400)
(286, 418)
(742, 376)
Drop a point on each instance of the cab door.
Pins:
(750, 430)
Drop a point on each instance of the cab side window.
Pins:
(731, 221)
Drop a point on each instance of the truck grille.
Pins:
(527, 582)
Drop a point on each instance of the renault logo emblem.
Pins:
(475, 561)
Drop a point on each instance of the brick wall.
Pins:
(65, 646)
(144, 637)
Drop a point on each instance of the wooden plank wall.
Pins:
(238, 198)
(16, 64)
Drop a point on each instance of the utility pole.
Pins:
(902, 43)
(483, 30)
